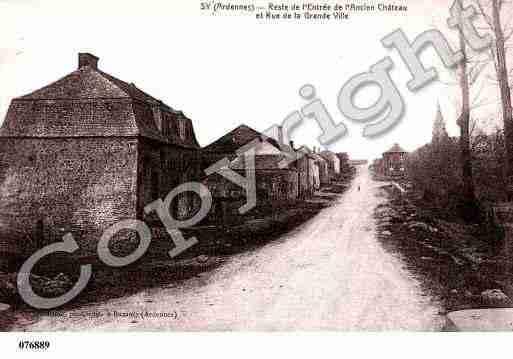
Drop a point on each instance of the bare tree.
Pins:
(468, 75)
(469, 205)
(491, 12)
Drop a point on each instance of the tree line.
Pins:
(467, 174)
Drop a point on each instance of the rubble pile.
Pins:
(451, 260)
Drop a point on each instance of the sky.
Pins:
(223, 71)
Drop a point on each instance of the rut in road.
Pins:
(330, 273)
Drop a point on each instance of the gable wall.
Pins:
(81, 185)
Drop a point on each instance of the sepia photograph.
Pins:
(298, 168)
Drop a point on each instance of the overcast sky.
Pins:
(223, 71)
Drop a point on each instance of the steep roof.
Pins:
(328, 155)
(262, 162)
(306, 151)
(318, 157)
(342, 156)
(395, 149)
(237, 138)
(88, 84)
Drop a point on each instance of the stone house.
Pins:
(85, 152)
(344, 162)
(274, 183)
(333, 164)
(302, 160)
(316, 179)
(322, 166)
(394, 162)
(308, 172)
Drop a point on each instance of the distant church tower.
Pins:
(439, 131)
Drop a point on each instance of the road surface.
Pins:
(331, 273)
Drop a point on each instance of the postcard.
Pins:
(256, 168)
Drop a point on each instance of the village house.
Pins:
(84, 153)
(308, 172)
(344, 162)
(316, 176)
(333, 164)
(275, 183)
(322, 165)
(302, 160)
(394, 162)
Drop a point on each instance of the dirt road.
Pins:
(330, 273)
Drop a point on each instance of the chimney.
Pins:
(87, 59)
(292, 145)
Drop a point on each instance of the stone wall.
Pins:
(164, 167)
(52, 186)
